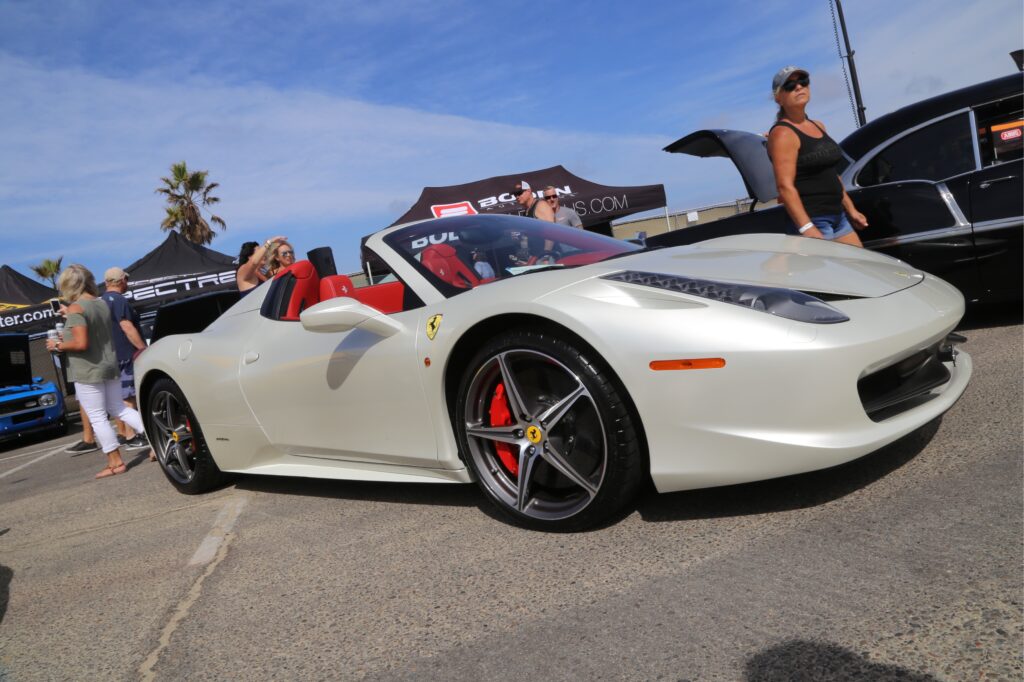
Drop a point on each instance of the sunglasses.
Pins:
(554, 198)
(790, 86)
(517, 192)
(282, 254)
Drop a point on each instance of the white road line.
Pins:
(25, 454)
(51, 453)
(222, 525)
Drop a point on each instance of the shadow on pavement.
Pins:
(805, 661)
(792, 492)
(6, 575)
(446, 494)
(991, 315)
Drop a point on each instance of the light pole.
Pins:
(853, 69)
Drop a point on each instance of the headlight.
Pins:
(793, 305)
(47, 400)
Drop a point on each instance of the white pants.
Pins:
(99, 400)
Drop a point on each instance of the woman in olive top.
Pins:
(92, 362)
(804, 158)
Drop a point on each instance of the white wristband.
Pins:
(806, 227)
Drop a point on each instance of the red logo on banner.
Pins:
(447, 210)
(1009, 134)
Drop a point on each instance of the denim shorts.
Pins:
(127, 372)
(833, 226)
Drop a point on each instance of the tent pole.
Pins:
(667, 221)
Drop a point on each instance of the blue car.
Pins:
(27, 403)
(30, 408)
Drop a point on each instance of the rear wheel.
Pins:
(547, 432)
(177, 440)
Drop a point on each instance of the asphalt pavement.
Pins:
(904, 565)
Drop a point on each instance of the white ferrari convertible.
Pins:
(559, 369)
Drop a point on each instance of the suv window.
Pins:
(1000, 128)
(935, 152)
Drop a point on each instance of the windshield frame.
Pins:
(541, 245)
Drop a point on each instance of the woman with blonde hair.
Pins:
(92, 362)
(282, 256)
(805, 160)
(251, 260)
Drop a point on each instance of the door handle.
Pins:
(250, 357)
(989, 183)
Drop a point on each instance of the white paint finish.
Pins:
(361, 406)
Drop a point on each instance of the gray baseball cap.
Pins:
(783, 75)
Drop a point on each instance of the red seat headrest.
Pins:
(333, 286)
(444, 261)
(306, 289)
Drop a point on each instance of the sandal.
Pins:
(112, 471)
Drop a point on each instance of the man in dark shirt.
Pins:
(128, 342)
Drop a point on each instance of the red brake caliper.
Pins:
(500, 415)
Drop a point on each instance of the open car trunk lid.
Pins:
(748, 152)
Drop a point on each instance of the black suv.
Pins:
(940, 182)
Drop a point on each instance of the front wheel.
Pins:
(548, 432)
(177, 440)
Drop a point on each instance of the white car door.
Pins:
(352, 396)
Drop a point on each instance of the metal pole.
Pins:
(853, 69)
(668, 222)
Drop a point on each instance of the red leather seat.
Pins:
(304, 283)
(333, 286)
(443, 261)
(387, 298)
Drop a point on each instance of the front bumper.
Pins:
(788, 399)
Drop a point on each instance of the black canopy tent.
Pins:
(178, 269)
(597, 205)
(23, 303)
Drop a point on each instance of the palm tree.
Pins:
(48, 270)
(186, 191)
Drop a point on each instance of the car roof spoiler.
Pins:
(748, 152)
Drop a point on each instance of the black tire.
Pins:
(176, 438)
(571, 458)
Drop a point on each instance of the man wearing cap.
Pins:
(534, 209)
(128, 342)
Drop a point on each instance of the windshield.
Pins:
(463, 252)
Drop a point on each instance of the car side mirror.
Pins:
(344, 314)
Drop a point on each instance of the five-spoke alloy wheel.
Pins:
(546, 432)
(177, 440)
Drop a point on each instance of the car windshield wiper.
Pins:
(526, 269)
(645, 249)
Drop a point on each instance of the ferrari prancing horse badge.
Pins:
(433, 324)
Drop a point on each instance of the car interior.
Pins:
(300, 286)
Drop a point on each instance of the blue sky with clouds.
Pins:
(323, 121)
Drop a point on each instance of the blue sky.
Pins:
(323, 121)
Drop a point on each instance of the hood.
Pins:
(748, 152)
(810, 265)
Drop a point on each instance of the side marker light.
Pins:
(692, 363)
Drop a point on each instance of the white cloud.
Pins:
(323, 169)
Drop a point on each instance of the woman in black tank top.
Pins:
(804, 158)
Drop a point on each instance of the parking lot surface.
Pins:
(903, 565)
